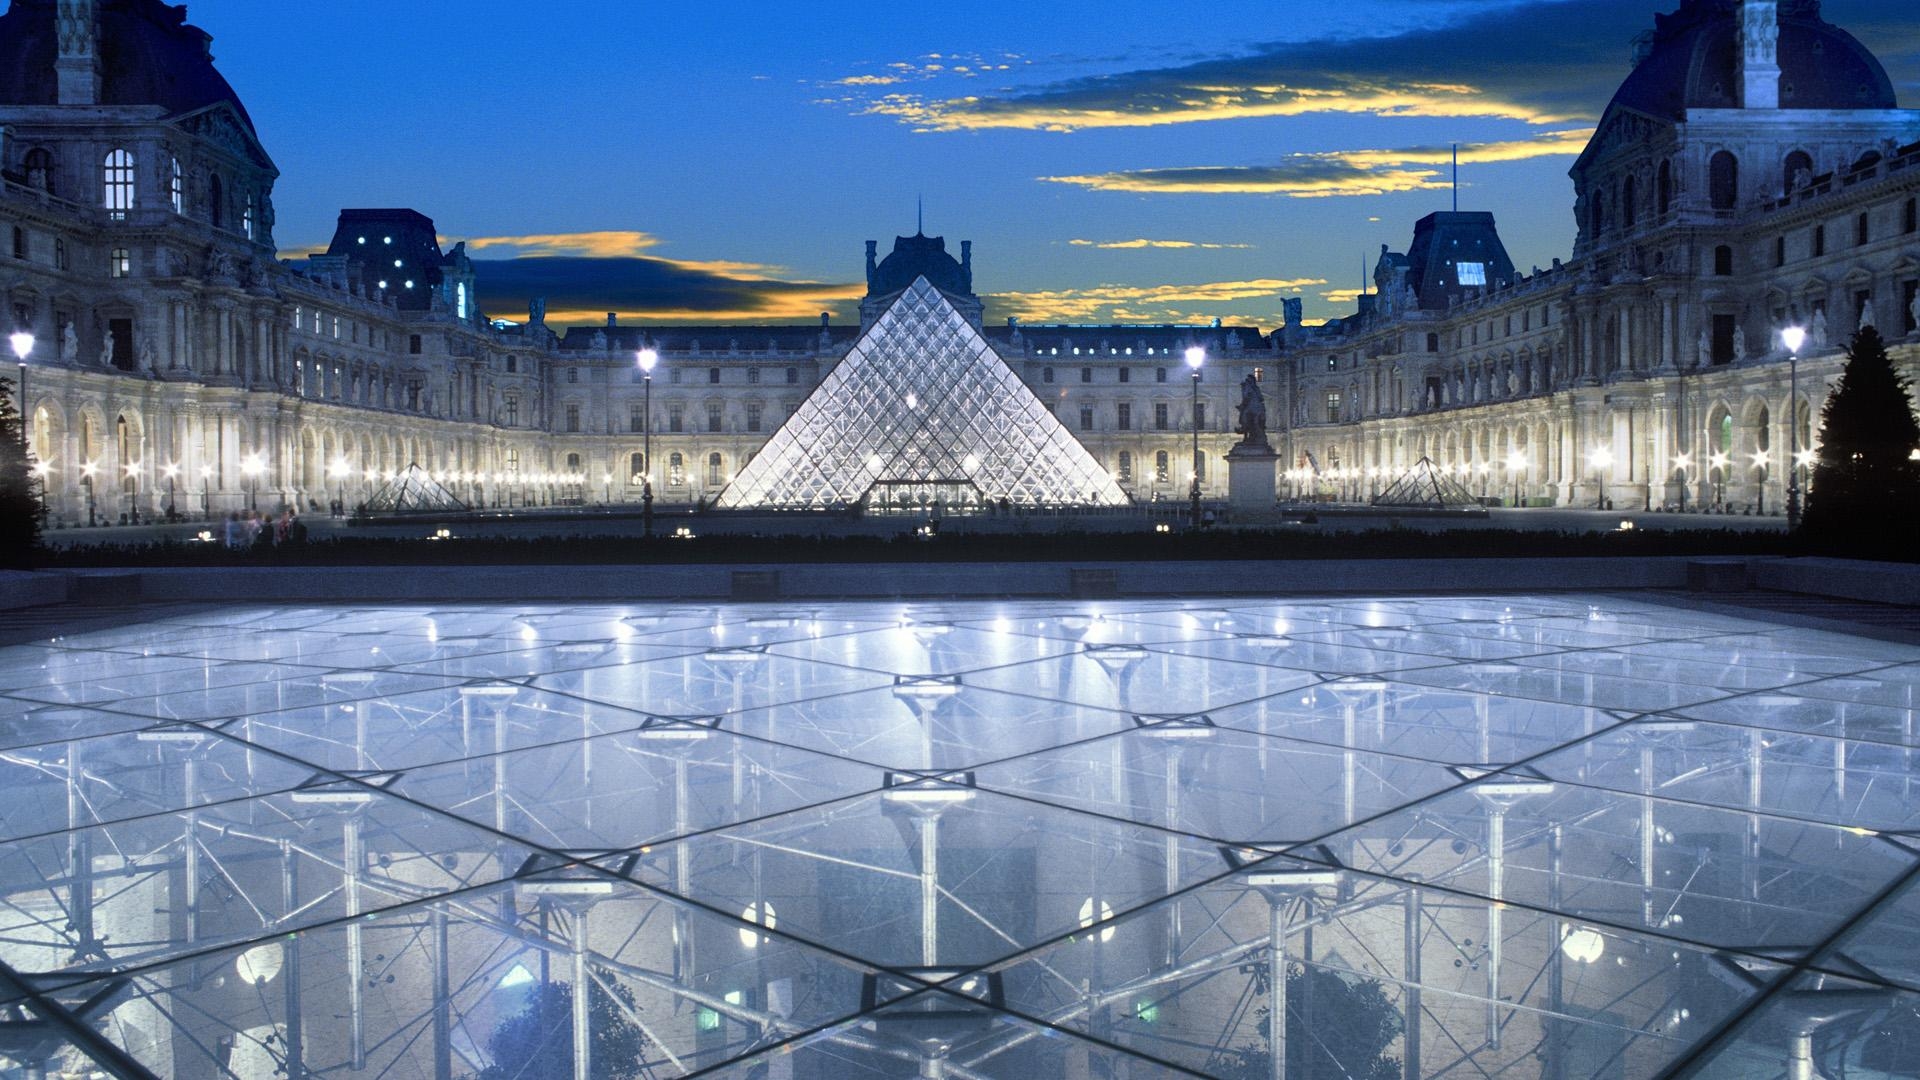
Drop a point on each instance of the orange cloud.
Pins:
(1139, 302)
(1171, 245)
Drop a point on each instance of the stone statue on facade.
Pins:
(1706, 349)
(1913, 309)
(1253, 415)
(1818, 332)
(1866, 315)
(599, 341)
(69, 343)
(106, 351)
(1739, 343)
(145, 354)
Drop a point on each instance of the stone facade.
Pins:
(178, 364)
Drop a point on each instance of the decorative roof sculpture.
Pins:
(921, 402)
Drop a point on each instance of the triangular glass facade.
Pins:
(922, 411)
(413, 490)
(1427, 487)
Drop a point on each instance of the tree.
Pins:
(1865, 495)
(1353, 1024)
(19, 494)
(537, 1043)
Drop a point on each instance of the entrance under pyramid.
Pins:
(922, 413)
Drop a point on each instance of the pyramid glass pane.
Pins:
(1551, 836)
(412, 491)
(921, 411)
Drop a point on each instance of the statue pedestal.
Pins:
(1250, 480)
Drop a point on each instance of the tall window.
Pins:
(1629, 196)
(716, 474)
(1910, 218)
(1086, 374)
(1160, 467)
(1200, 416)
(636, 468)
(1160, 417)
(216, 202)
(713, 376)
(1723, 261)
(1086, 418)
(1046, 374)
(513, 412)
(676, 419)
(1123, 416)
(573, 418)
(713, 416)
(793, 376)
(636, 417)
(753, 376)
(19, 242)
(117, 184)
(1819, 240)
(246, 219)
(1861, 231)
(676, 470)
(460, 300)
(1797, 162)
(754, 411)
(177, 189)
(1723, 181)
(1159, 374)
(1125, 472)
(1663, 187)
(119, 263)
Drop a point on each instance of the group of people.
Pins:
(250, 531)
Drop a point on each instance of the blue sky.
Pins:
(725, 160)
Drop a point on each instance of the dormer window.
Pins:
(117, 184)
(1471, 273)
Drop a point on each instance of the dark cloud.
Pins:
(581, 289)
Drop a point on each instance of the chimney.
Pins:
(77, 70)
(826, 319)
(966, 263)
(612, 317)
(873, 252)
(1759, 54)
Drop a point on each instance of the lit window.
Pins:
(177, 189)
(119, 263)
(117, 174)
(1472, 273)
(246, 218)
(459, 294)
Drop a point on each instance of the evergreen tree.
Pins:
(1865, 495)
(1354, 1023)
(19, 488)
(538, 1042)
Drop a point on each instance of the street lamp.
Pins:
(22, 343)
(253, 466)
(339, 469)
(1681, 464)
(1602, 459)
(132, 469)
(1793, 337)
(1720, 463)
(86, 481)
(646, 358)
(1761, 459)
(1517, 467)
(1196, 356)
(171, 470)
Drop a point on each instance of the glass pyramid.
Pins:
(921, 412)
(413, 490)
(1425, 485)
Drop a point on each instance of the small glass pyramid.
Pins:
(921, 412)
(1427, 486)
(413, 490)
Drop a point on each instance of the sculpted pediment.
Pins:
(218, 125)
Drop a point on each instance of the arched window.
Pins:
(1629, 194)
(1797, 163)
(1762, 430)
(1663, 187)
(715, 470)
(216, 202)
(573, 462)
(246, 218)
(1725, 440)
(636, 468)
(117, 184)
(676, 470)
(177, 189)
(1126, 466)
(39, 166)
(1723, 181)
(1160, 467)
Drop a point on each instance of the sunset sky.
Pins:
(724, 161)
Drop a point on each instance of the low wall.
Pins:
(845, 581)
(1846, 579)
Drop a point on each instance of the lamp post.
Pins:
(1516, 466)
(1793, 337)
(86, 481)
(1602, 459)
(132, 469)
(253, 466)
(1720, 463)
(206, 492)
(1681, 464)
(22, 343)
(171, 470)
(338, 469)
(646, 358)
(1196, 356)
(1761, 459)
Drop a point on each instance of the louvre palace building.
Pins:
(1753, 171)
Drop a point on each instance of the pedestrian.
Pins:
(282, 527)
(296, 531)
(233, 537)
(250, 528)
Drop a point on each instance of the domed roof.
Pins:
(148, 55)
(920, 256)
(1695, 63)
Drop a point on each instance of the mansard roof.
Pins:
(148, 55)
(751, 340)
(1441, 242)
(919, 256)
(1694, 63)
